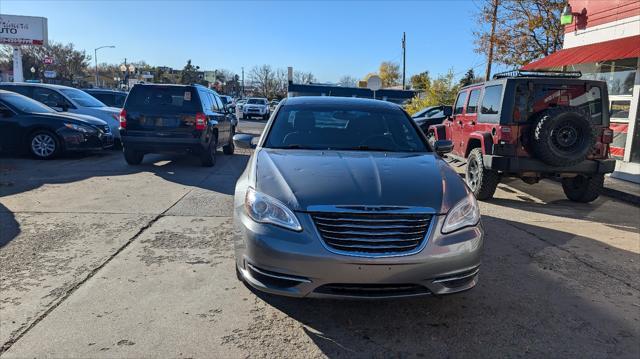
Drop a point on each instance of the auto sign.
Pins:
(50, 74)
(23, 30)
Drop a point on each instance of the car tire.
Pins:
(44, 145)
(582, 188)
(562, 136)
(482, 181)
(133, 157)
(230, 148)
(238, 274)
(208, 156)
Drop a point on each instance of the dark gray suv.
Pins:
(175, 118)
(344, 197)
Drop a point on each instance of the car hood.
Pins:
(67, 116)
(304, 179)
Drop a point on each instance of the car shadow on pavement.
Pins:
(22, 174)
(9, 227)
(551, 201)
(536, 299)
(19, 175)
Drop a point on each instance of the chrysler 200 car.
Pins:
(344, 197)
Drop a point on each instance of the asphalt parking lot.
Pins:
(100, 259)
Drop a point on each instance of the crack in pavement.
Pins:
(575, 256)
(22, 331)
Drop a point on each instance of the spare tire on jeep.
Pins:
(562, 136)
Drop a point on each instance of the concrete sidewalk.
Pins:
(622, 190)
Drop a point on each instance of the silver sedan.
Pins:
(344, 197)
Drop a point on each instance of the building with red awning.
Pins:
(602, 40)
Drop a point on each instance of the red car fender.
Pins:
(482, 140)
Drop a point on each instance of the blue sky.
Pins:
(330, 39)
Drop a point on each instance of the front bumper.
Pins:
(523, 164)
(79, 141)
(298, 264)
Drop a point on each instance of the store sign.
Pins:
(50, 74)
(620, 109)
(23, 30)
(48, 61)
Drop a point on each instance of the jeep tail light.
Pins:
(201, 120)
(123, 118)
(504, 135)
(607, 135)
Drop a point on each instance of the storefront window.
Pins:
(619, 74)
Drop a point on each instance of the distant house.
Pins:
(392, 95)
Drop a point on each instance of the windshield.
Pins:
(257, 101)
(25, 104)
(82, 98)
(331, 128)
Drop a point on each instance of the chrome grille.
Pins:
(372, 233)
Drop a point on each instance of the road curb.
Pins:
(621, 196)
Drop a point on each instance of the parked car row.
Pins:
(28, 125)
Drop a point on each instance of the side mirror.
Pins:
(443, 147)
(242, 140)
(447, 111)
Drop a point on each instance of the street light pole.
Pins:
(95, 56)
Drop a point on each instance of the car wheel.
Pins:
(208, 157)
(230, 148)
(562, 136)
(582, 188)
(44, 145)
(482, 181)
(133, 157)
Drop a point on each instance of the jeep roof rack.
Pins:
(538, 73)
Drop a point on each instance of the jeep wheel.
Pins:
(482, 181)
(229, 148)
(133, 157)
(562, 136)
(582, 188)
(208, 155)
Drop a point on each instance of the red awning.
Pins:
(627, 47)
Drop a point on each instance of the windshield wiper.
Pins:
(364, 148)
(292, 147)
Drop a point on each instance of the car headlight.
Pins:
(266, 209)
(79, 128)
(464, 214)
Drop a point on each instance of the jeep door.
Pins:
(469, 119)
(456, 124)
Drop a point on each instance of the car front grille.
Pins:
(373, 290)
(374, 234)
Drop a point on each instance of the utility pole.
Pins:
(243, 82)
(494, 17)
(404, 58)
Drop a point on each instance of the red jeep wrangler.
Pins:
(532, 125)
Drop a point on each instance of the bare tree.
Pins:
(300, 77)
(348, 81)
